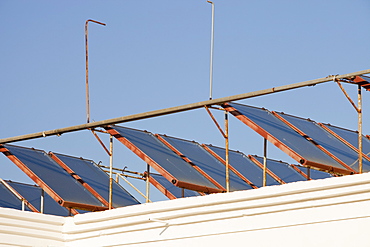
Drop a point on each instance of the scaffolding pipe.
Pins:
(227, 151)
(42, 200)
(110, 172)
(147, 182)
(87, 66)
(359, 129)
(176, 109)
(133, 186)
(264, 161)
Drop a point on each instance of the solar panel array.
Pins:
(309, 143)
(185, 168)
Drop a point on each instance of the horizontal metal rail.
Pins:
(176, 109)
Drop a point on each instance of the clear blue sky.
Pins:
(155, 54)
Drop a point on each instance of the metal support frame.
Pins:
(358, 109)
(264, 161)
(177, 109)
(227, 152)
(110, 172)
(87, 67)
(147, 180)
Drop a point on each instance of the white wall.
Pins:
(330, 212)
(19, 228)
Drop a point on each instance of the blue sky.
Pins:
(155, 54)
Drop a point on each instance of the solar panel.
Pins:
(327, 141)
(9, 199)
(170, 190)
(312, 173)
(205, 161)
(245, 166)
(162, 159)
(97, 179)
(44, 171)
(284, 137)
(349, 136)
(282, 170)
(33, 195)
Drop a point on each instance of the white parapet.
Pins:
(329, 212)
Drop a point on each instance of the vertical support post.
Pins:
(117, 178)
(23, 204)
(212, 44)
(147, 183)
(42, 201)
(110, 172)
(227, 151)
(182, 192)
(87, 67)
(264, 161)
(359, 107)
(308, 173)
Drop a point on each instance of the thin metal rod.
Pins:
(176, 109)
(215, 121)
(347, 96)
(147, 182)
(101, 142)
(227, 151)
(110, 172)
(87, 66)
(133, 186)
(264, 161)
(359, 107)
(122, 170)
(211, 53)
(42, 201)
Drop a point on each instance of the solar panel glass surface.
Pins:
(245, 166)
(164, 157)
(207, 163)
(9, 200)
(176, 191)
(98, 180)
(286, 135)
(53, 175)
(328, 141)
(33, 194)
(282, 170)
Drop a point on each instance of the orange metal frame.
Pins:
(78, 178)
(190, 162)
(157, 166)
(161, 188)
(46, 188)
(343, 140)
(27, 203)
(230, 166)
(281, 145)
(268, 171)
(313, 141)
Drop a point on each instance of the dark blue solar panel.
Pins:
(54, 176)
(164, 156)
(351, 137)
(328, 141)
(98, 180)
(207, 163)
(32, 194)
(314, 174)
(245, 166)
(285, 134)
(176, 191)
(9, 200)
(282, 170)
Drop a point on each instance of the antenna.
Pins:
(212, 42)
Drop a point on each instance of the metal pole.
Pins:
(23, 205)
(110, 172)
(176, 109)
(212, 45)
(227, 151)
(264, 161)
(359, 129)
(42, 201)
(147, 182)
(87, 67)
